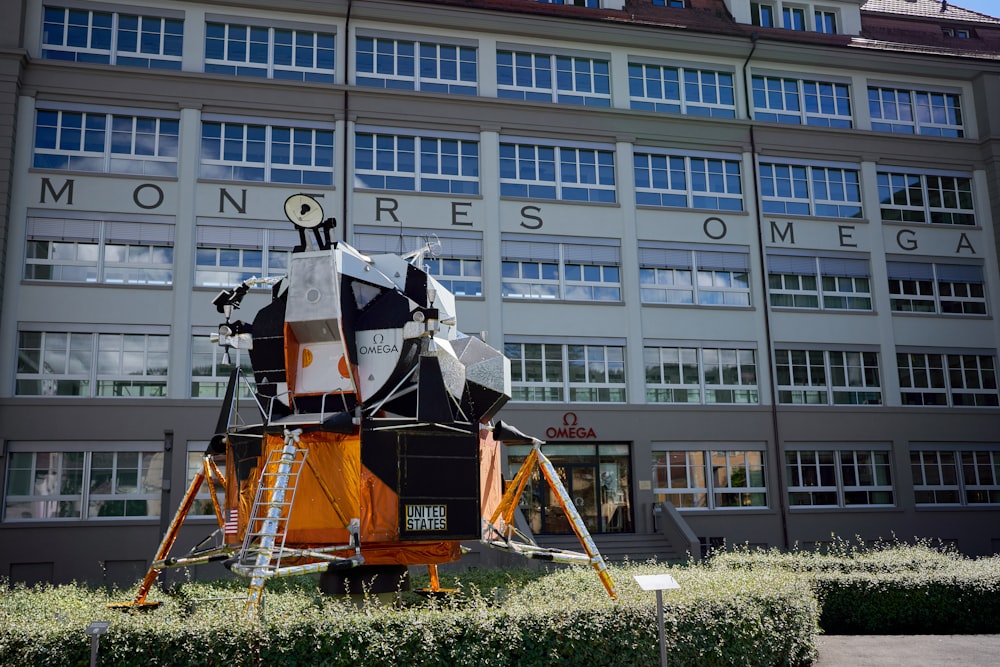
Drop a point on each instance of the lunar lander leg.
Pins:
(512, 496)
(160, 561)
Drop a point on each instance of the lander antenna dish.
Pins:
(304, 211)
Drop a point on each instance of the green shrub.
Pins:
(560, 617)
(889, 587)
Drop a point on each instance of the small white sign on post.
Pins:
(658, 583)
(95, 630)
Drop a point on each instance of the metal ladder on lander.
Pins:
(267, 525)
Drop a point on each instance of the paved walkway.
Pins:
(908, 650)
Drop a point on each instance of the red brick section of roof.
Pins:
(890, 21)
(927, 32)
(929, 9)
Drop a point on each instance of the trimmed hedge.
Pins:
(558, 617)
(890, 588)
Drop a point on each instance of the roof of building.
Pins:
(914, 26)
(938, 10)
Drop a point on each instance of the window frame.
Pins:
(560, 268)
(794, 471)
(681, 88)
(559, 77)
(700, 176)
(908, 197)
(569, 372)
(403, 160)
(702, 484)
(662, 267)
(938, 382)
(232, 243)
(790, 102)
(86, 496)
(792, 269)
(926, 287)
(110, 355)
(97, 142)
(890, 113)
(557, 172)
(813, 379)
(409, 71)
(167, 55)
(800, 190)
(91, 242)
(703, 363)
(265, 156)
(324, 57)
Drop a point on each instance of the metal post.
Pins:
(658, 583)
(662, 630)
(95, 630)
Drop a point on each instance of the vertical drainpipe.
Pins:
(344, 198)
(775, 429)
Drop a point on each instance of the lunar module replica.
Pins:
(371, 445)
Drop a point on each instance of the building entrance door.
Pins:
(579, 481)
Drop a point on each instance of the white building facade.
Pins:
(742, 255)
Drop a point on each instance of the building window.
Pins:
(827, 377)
(106, 143)
(592, 4)
(563, 173)
(573, 373)
(533, 268)
(700, 375)
(792, 189)
(957, 33)
(793, 18)
(113, 252)
(939, 200)
(937, 287)
(209, 373)
(273, 53)
(384, 62)
(229, 255)
(762, 14)
(787, 100)
(687, 181)
(915, 112)
(60, 363)
(668, 3)
(447, 165)
(710, 480)
(826, 21)
(688, 276)
(826, 283)
(195, 464)
(234, 151)
(956, 380)
(839, 478)
(944, 477)
(554, 78)
(680, 89)
(597, 478)
(48, 483)
(454, 260)
(112, 38)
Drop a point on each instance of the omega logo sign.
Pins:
(570, 430)
(378, 346)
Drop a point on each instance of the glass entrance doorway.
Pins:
(595, 476)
